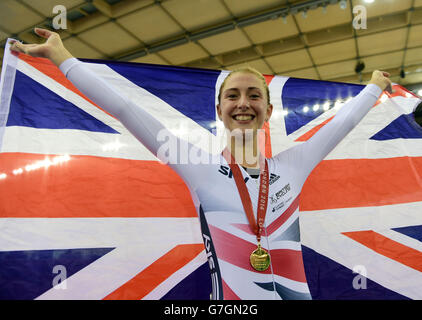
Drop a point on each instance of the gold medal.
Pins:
(260, 259)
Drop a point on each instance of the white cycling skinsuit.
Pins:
(227, 236)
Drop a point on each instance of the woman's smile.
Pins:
(243, 118)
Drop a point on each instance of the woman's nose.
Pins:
(243, 102)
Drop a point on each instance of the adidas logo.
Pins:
(273, 178)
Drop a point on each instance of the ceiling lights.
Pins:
(343, 4)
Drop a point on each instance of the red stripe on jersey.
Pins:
(228, 292)
(276, 224)
(286, 263)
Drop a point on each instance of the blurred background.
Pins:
(317, 39)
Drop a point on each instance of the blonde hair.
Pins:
(249, 70)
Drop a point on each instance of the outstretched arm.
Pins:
(139, 122)
(309, 154)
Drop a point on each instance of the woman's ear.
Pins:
(269, 112)
(219, 112)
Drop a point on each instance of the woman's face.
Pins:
(243, 103)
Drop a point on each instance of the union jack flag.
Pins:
(87, 212)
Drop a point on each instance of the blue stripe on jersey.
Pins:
(33, 105)
(189, 90)
(298, 93)
(404, 127)
(284, 292)
(292, 233)
(25, 275)
(214, 268)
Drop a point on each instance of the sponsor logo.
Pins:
(273, 178)
(275, 197)
(228, 172)
(281, 205)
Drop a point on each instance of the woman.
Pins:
(250, 227)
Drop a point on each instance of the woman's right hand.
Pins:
(382, 80)
(52, 49)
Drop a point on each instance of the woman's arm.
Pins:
(139, 122)
(306, 156)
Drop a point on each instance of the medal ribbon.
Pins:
(244, 194)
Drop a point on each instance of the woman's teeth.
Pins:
(243, 117)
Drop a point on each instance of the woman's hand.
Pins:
(52, 49)
(381, 79)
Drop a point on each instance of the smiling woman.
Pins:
(252, 244)
(244, 105)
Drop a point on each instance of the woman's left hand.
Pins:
(381, 79)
